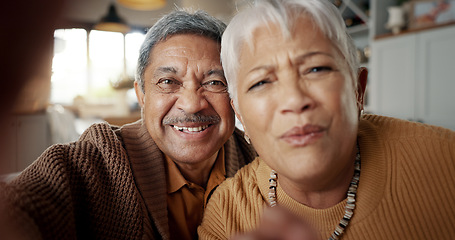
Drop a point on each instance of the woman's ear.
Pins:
(237, 114)
(362, 78)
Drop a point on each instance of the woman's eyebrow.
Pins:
(301, 58)
(266, 68)
(298, 59)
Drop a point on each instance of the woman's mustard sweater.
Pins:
(406, 188)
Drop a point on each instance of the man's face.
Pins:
(186, 106)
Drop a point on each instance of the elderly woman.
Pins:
(297, 89)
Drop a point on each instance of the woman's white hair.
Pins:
(284, 14)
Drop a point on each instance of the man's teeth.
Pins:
(191, 129)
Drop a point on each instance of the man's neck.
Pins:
(198, 173)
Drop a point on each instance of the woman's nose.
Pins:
(295, 96)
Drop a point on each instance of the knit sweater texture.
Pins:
(406, 188)
(110, 184)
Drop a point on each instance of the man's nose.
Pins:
(192, 100)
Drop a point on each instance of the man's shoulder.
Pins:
(97, 148)
(103, 137)
(76, 166)
(99, 131)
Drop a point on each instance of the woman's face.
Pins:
(297, 102)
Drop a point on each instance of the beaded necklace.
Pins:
(350, 205)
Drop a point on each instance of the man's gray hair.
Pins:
(283, 13)
(177, 22)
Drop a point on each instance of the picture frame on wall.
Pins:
(428, 13)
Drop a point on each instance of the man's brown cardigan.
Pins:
(110, 184)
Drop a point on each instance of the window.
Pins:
(86, 64)
(69, 65)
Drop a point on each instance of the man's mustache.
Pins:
(193, 118)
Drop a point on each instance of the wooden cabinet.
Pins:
(413, 77)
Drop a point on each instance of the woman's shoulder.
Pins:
(243, 182)
(240, 191)
(395, 128)
(235, 206)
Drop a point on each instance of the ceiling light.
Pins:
(112, 22)
(143, 5)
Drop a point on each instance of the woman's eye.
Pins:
(316, 72)
(258, 84)
(319, 69)
(215, 86)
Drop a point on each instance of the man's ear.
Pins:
(362, 78)
(139, 94)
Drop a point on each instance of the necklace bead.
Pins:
(350, 203)
(272, 188)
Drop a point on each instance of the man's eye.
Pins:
(167, 85)
(166, 81)
(215, 86)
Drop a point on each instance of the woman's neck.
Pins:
(320, 192)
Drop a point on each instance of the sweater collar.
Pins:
(147, 163)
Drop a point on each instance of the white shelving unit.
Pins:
(412, 76)
(374, 16)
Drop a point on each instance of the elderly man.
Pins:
(150, 179)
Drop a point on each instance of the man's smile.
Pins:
(191, 129)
